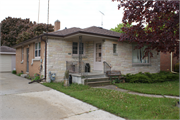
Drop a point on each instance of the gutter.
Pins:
(45, 56)
(171, 64)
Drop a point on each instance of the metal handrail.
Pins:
(73, 67)
(105, 63)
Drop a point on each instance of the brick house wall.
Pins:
(166, 61)
(34, 68)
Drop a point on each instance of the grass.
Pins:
(122, 104)
(163, 88)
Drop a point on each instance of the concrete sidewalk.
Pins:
(22, 101)
(113, 87)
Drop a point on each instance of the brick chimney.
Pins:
(56, 25)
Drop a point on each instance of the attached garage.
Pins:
(7, 59)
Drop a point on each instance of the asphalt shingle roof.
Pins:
(90, 30)
(7, 49)
(74, 30)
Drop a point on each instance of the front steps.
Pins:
(96, 79)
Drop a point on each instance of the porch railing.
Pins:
(73, 67)
(107, 67)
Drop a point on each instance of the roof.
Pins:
(7, 49)
(90, 30)
(75, 30)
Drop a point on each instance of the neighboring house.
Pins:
(167, 62)
(70, 49)
(7, 59)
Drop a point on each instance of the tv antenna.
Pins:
(101, 18)
(38, 11)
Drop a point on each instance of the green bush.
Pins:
(139, 78)
(19, 74)
(176, 67)
(151, 77)
(14, 72)
(36, 77)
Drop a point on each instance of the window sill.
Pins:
(115, 54)
(141, 64)
(22, 61)
(36, 59)
(77, 56)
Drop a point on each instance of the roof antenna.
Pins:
(38, 11)
(101, 19)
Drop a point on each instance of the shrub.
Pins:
(151, 77)
(139, 78)
(36, 77)
(14, 72)
(176, 67)
(19, 74)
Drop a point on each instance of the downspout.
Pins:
(171, 64)
(45, 56)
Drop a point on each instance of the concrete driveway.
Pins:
(22, 101)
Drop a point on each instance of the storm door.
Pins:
(98, 64)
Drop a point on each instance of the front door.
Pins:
(98, 64)
(27, 60)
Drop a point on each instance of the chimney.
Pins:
(56, 25)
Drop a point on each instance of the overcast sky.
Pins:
(71, 13)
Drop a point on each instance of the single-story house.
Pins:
(7, 59)
(71, 49)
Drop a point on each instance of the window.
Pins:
(75, 48)
(22, 53)
(78, 49)
(114, 48)
(37, 49)
(137, 55)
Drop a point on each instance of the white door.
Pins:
(5, 63)
(98, 64)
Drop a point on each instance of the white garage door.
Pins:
(5, 63)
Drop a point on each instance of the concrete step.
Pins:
(99, 83)
(96, 79)
(94, 75)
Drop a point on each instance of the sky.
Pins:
(71, 13)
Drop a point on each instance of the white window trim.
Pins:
(38, 57)
(78, 49)
(35, 60)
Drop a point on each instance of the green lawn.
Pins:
(163, 88)
(122, 104)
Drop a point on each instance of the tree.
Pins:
(13, 29)
(162, 20)
(119, 26)
(33, 31)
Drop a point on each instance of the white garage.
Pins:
(7, 59)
